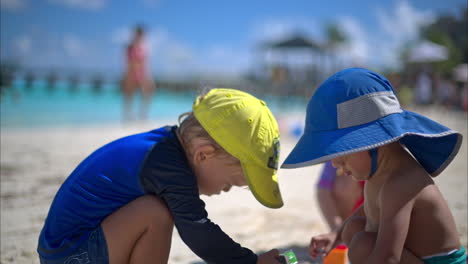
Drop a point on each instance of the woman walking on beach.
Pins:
(136, 76)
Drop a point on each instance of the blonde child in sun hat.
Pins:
(121, 203)
(355, 120)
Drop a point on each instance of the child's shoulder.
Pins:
(412, 175)
(406, 182)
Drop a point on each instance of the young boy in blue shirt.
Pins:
(355, 120)
(121, 203)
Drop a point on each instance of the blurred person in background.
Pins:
(137, 75)
(423, 92)
(446, 91)
(337, 196)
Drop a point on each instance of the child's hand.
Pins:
(269, 257)
(322, 244)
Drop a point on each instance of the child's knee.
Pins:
(156, 210)
(353, 226)
(361, 246)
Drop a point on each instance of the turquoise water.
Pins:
(41, 106)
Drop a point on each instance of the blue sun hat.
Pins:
(356, 110)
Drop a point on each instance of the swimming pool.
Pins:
(40, 105)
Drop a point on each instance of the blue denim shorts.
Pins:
(93, 251)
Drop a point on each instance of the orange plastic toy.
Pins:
(338, 255)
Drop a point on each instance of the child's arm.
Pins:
(322, 244)
(396, 204)
(329, 208)
(167, 175)
(358, 212)
(324, 196)
(203, 237)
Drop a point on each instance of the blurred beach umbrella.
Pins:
(460, 73)
(427, 51)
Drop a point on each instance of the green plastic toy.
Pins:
(288, 257)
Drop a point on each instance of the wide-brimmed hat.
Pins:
(356, 110)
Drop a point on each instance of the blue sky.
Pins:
(202, 36)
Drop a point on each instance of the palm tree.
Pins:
(335, 37)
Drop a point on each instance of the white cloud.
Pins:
(158, 38)
(165, 52)
(172, 56)
(74, 47)
(219, 52)
(82, 4)
(399, 27)
(222, 58)
(22, 45)
(44, 53)
(357, 47)
(176, 53)
(395, 27)
(169, 54)
(274, 29)
(154, 38)
(39, 48)
(13, 4)
(121, 35)
(405, 22)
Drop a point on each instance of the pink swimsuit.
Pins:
(136, 56)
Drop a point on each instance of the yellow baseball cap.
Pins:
(244, 126)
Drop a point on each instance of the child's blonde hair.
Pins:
(190, 128)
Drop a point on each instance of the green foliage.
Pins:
(451, 32)
(335, 36)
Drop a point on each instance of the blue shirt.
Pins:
(121, 171)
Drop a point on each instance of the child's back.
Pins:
(401, 182)
(109, 172)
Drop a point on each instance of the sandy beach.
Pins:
(34, 162)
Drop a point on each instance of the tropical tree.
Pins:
(334, 38)
(449, 31)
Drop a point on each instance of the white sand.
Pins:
(35, 162)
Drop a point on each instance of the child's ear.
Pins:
(203, 153)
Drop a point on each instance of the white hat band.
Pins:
(367, 108)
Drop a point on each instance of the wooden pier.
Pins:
(98, 84)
